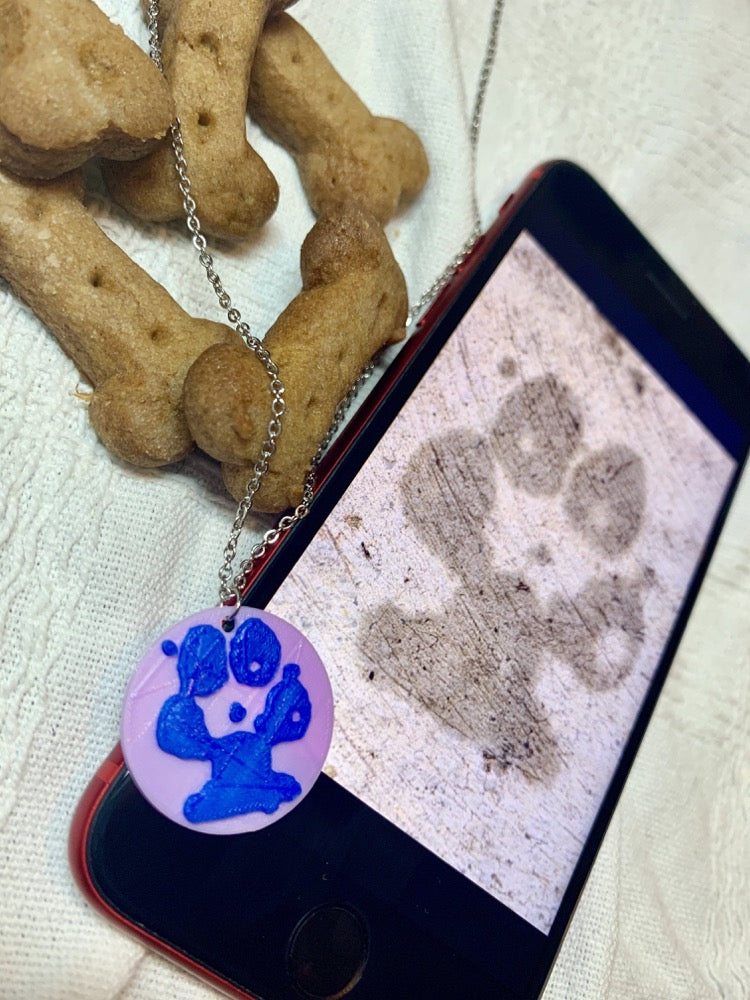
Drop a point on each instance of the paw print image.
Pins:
(226, 732)
(508, 615)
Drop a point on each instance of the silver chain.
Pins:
(231, 587)
(475, 125)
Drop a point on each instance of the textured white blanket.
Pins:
(97, 558)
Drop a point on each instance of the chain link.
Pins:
(230, 588)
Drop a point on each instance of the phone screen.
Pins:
(495, 590)
(497, 585)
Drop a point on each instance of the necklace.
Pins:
(187, 703)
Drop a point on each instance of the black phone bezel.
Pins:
(558, 201)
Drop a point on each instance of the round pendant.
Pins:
(226, 731)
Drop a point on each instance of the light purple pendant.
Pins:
(226, 731)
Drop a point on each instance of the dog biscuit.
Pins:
(343, 152)
(73, 86)
(207, 52)
(125, 333)
(353, 302)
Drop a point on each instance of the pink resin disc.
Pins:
(225, 732)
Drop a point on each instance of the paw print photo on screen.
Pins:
(501, 578)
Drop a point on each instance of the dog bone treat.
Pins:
(353, 302)
(73, 86)
(342, 151)
(122, 329)
(207, 54)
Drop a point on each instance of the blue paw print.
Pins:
(242, 776)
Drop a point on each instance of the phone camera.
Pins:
(327, 952)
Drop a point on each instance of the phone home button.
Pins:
(327, 952)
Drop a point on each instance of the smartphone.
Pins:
(502, 554)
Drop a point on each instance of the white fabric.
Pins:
(98, 557)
